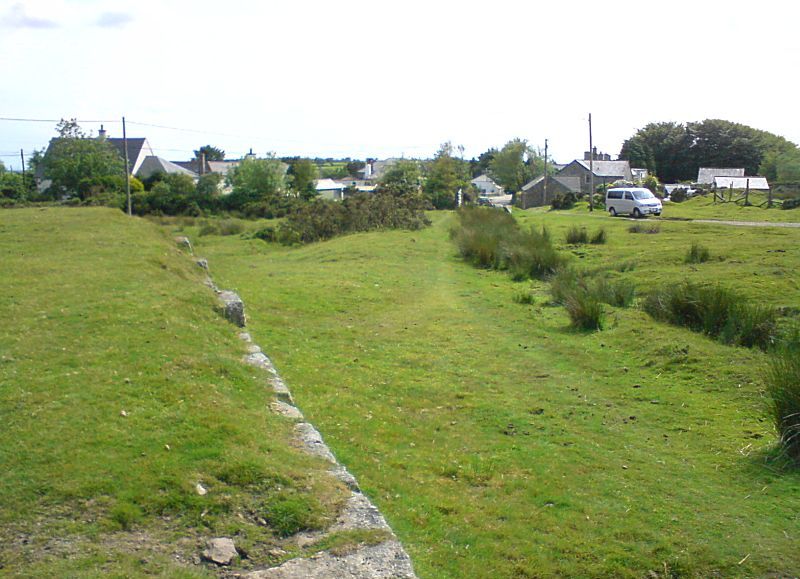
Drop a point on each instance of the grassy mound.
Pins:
(122, 390)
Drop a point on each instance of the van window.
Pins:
(614, 194)
(643, 195)
(628, 196)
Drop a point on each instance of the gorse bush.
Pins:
(577, 235)
(697, 253)
(490, 238)
(323, 219)
(715, 311)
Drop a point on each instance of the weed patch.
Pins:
(577, 235)
(650, 228)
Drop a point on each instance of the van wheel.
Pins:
(613, 212)
(636, 213)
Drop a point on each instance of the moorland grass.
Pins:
(121, 389)
(500, 443)
(716, 311)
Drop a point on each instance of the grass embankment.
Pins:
(498, 442)
(102, 315)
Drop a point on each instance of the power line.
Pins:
(14, 119)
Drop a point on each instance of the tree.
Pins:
(663, 149)
(77, 164)
(211, 153)
(353, 167)
(510, 165)
(257, 180)
(480, 165)
(447, 174)
(403, 178)
(304, 174)
(674, 151)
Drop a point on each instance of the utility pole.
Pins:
(127, 167)
(22, 158)
(545, 173)
(591, 167)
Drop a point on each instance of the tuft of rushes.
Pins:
(697, 253)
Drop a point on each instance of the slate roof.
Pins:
(138, 150)
(706, 174)
(758, 183)
(152, 165)
(608, 168)
(572, 183)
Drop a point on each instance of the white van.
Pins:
(636, 201)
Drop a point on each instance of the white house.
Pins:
(487, 186)
(330, 189)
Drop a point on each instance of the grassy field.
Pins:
(121, 389)
(703, 207)
(500, 443)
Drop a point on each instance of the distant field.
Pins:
(499, 442)
(121, 389)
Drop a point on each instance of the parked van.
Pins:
(636, 201)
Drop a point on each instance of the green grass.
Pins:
(501, 443)
(703, 207)
(103, 314)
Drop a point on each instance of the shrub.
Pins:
(679, 195)
(563, 201)
(576, 235)
(323, 219)
(599, 238)
(715, 311)
(642, 228)
(697, 253)
(267, 233)
(791, 203)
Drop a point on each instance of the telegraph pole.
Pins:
(545, 172)
(127, 167)
(22, 158)
(591, 167)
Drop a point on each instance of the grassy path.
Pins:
(501, 444)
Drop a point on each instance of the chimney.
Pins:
(594, 154)
(606, 157)
(101, 134)
(250, 155)
(587, 155)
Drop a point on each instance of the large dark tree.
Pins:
(675, 151)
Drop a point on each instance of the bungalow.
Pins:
(486, 186)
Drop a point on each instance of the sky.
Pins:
(386, 79)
